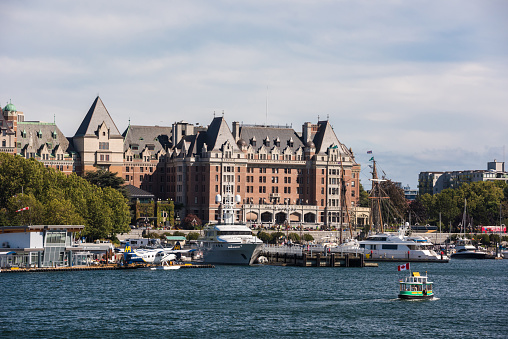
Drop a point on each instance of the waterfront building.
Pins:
(39, 246)
(435, 182)
(282, 175)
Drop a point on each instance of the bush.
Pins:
(294, 237)
(265, 237)
(192, 236)
(274, 237)
(307, 237)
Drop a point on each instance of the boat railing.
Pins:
(272, 248)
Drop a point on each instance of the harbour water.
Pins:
(256, 302)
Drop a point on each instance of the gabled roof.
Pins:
(218, 133)
(325, 137)
(158, 136)
(97, 114)
(259, 133)
(37, 134)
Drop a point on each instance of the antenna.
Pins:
(266, 107)
(54, 119)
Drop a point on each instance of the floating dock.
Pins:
(317, 259)
(91, 268)
(383, 259)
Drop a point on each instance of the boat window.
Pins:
(389, 247)
(234, 233)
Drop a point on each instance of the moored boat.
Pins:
(465, 250)
(229, 243)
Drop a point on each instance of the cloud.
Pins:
(421, 83)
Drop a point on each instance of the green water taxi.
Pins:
(416, 286)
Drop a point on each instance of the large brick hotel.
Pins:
(279, 173)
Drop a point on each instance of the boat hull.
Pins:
(471, 255)
(230, 253)
(164, 268)
(416, 296)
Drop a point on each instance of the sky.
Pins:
(421, 84)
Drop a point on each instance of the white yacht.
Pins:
(464, 249)
(389, 246)
(229, 243)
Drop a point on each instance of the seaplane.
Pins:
(155, 256)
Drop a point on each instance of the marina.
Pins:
(256, 301)
(94, 268)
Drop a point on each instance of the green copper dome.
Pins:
(10, 107)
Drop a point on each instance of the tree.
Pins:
(56, 199)
(364, 197)
(103, 178)
(191, 222)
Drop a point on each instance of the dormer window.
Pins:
(54, 135)
(277, 142)
(253, 141)
(267, 142)
(290, 142)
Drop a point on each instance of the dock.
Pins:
(383, 259)
(91, 268)
(317, 259)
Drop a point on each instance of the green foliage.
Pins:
(397, 204)
(264, 236)
(276, 237)
(103, 178)
(294, 237)
(483, 203)
(178, 234)
(308, 237)
(192, 236)
(56, 199)
(364, 197)
(166, 209)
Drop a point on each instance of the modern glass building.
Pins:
(38, 245)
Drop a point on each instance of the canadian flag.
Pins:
(23, 209)
(404, 267)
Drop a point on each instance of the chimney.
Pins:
(306, 132)
(236, 130)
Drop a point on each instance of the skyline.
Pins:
(420, 84)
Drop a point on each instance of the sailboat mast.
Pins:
(343, 203)
(376, 199)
